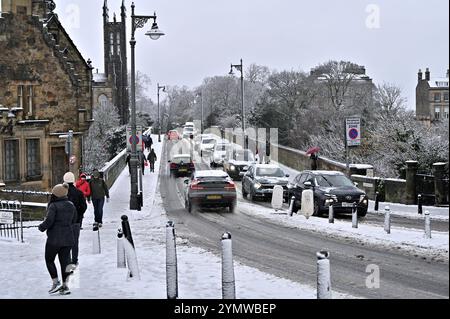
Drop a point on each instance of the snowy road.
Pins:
(290, 253)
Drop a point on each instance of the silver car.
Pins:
(210, 189)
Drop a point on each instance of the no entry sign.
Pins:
(353, 131)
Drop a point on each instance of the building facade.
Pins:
(432, 100)
(112, 86)
(45, 92)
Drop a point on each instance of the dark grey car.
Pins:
(260, 180)
(210, 189)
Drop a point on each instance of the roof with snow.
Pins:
(211, 173)
(439, 83)
(99, 77)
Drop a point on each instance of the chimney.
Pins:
(420, 75)
(428, 75)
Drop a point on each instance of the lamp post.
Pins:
(200, 94)
(159, 112)
(240, 68)
(137, 21)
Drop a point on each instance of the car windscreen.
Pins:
(188, 129)
(208, 141)
(221, 147)
(244, 156)
(178, 160)
(269, 172)
(333, 181)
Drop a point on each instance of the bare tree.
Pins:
(389, 99)
(257, 74)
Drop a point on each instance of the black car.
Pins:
(329, 187)
(181, 165)
(238, 162)
(260, 180)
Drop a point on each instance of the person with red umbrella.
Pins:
(312, 152)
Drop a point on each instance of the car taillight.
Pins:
(231, 186)
(195, 186)
(192, 165)
(173, 166)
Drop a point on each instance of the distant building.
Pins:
(432, 97)
(350, 87)
(45, 91)
(111, 87)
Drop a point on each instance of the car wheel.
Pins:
(252, 196)
(244, 193)
(362, 212)
(232, 208)
(295, 209)
(317, 211)
(189, 206)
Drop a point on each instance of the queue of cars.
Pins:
(214, 188)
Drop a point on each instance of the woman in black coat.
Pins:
(61, 215)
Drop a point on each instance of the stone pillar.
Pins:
(439, 186)
(411, 172)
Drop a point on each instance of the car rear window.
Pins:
(178, 160)
(208, 141)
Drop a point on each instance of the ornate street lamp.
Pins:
(137, 21)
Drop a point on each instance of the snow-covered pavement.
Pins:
(24, 274)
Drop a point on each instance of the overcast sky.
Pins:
(391, 38)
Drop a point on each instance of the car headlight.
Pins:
(245, 168)
(331, 197)
(232, 167)
(257, 185)
(362, 198)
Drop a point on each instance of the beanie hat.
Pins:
(60, 191)
(69, 178)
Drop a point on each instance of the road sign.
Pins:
(353, 131)
(138, 139)
(6, 218)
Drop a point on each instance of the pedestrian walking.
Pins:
(99, 191)
(128, 161)
(61, 215)
(79, 201)
(152, 158)
(148, 142)
(143, 161)
(83, 185)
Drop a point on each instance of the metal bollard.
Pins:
(427, 225)
(228, 280)
(171, 262)
(323, 275)
(377, 202)
(355, 216)
(127, 230)
(419, 204)
(291, 206)
(96, 246)
(387, 219)
(331, 214)
(121, 259)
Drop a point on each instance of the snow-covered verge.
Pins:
(24, 274)
(410, 240)
(409, 211)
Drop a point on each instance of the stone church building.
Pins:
(45, 92)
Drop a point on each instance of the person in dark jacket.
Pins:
(61, 215)
(142, 160)
(77, 198)
(99, 190)
(128, 161)
(152, 158)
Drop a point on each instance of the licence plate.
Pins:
(214, 197)
(347, 204)
(184, 170)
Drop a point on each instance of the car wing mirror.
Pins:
(307, 184)
(169, 161)
(287, 175)
(356, 184)
(186, 182)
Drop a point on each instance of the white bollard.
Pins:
(323, 275)
(387, 219)
(171, 262)
(132, 262)
(427, 225)
(331, 214)
(121, 259)
(354, 216)
(291, 206)
(96, 246)
(228, 281)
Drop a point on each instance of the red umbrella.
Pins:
(313, 150)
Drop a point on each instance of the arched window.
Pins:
(103, 100)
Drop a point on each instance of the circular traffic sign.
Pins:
(136, 138)
(353, 134)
